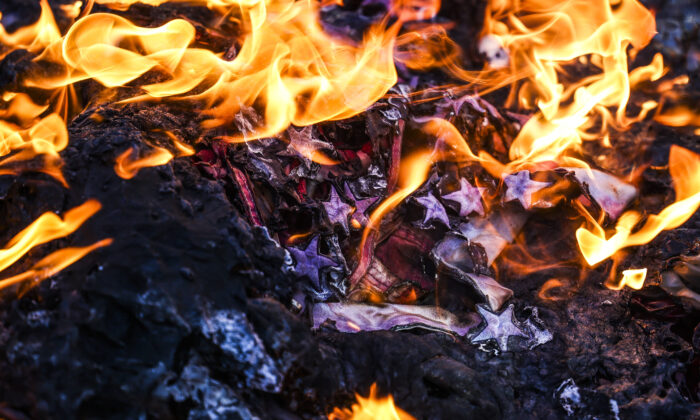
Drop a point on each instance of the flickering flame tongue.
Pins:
(46, 228)
(684, 167)
(34, 37)
(371, 408)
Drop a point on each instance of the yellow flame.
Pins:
(72, 10)
(542, 36)
(30, 137)
(127, 166)
(44, 229)
(288, 68)
(633, 278)
(53, 263)
(290, 72)
(684, 167)
(371, 408)
(678, 117)
(33, 38)
(414, 171)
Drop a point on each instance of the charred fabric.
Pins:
(171, 254)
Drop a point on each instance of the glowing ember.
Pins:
(371, 408)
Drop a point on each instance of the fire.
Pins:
(678, 117)
(684, 167)
(633, 278)
(53, 263)
(548, 289)
(414, 171)
(44, 229)
(541, 38)
(127, 166)
(289, 72)
(371, 408)
(24, 136)
(288, 68)
(33, 38)
(31, 138)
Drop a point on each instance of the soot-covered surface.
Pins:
(190, 312)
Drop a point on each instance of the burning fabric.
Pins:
(254, 209)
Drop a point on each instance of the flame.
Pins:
(212, 4)
(549, 288)
(183, 148)
(426, 47)
(288, 71)
(684, 167)
(34, 38)
(72, 10)
(633, 278)
(288, 68)
(127, 166)
(371, 408)
(541, 38)
(409, 10)
(44, 229)
(53, 263)
(678, 117)
(297, 237)
(414, 171)
(30, 137)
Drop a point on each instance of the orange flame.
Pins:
(414, 171)
(549, 289)
(288, 68)
(127, 166)
(290, 72)
(43, 137)
(44, 229)
(53, 263)
(72, 10)
(633, 278)
(33, 38)
(371, 408)
(678, 117)
(539, 38)
(684, 167)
